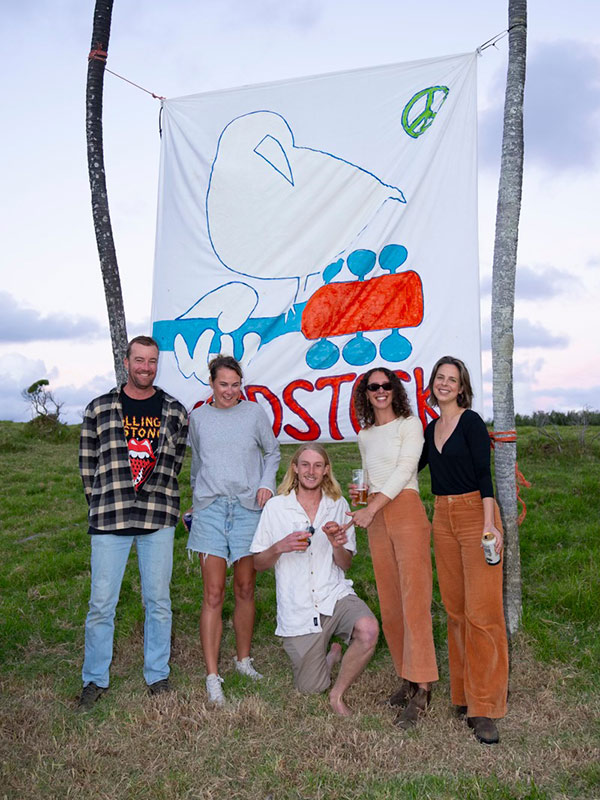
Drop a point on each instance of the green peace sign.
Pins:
(424, 118)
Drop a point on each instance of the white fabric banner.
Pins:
(316, 228)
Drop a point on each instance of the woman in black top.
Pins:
(457, 449)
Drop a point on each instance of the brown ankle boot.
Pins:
(485, 729)
(417, 706)
(402, 697)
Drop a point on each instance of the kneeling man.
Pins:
(304, 533)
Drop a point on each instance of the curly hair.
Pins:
(362, 405)
(465, 397)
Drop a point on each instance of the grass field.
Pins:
(270, 742)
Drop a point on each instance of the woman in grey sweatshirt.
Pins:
(234, 464)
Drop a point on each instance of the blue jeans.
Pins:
(109, 558)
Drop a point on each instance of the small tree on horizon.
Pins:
(42, 401)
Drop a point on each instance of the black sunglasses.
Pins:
(373, 387)
(310, 530)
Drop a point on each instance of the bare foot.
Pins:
(334, 656)
(338, 705)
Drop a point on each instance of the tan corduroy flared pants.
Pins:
(472, 595)
(399, 540)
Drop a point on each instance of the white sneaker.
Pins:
(214, 691)
(244, 667)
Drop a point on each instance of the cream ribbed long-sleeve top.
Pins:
(390, 455)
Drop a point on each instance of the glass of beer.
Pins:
(305, 527)
(359, 481)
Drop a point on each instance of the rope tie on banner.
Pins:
(504, 437)
(98, 54)
(492, 42)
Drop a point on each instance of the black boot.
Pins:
(402, 696)
(485, 729)
(417, 706)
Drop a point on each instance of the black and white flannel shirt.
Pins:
(113, 501)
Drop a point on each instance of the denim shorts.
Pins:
(224, 529)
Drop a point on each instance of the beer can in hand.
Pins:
(488, 542)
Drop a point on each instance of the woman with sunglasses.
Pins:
(457, 449)
(390, 443)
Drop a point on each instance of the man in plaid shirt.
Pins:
(133, 442)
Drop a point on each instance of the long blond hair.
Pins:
(330, 486)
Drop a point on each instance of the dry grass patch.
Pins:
(272, 742)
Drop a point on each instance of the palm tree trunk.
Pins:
(503, 301)
(100, 211)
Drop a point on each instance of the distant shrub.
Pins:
(49, 427)
(538, 419)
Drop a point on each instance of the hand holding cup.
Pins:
(358, 489)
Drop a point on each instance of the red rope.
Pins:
(98, 54)
(503, 437)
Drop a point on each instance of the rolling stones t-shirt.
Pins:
(141, 425)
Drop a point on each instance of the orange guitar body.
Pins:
(389, 301)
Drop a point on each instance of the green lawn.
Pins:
(271, 742)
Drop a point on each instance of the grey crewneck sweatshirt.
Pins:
(234, 454)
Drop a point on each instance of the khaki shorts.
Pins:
(308, 653)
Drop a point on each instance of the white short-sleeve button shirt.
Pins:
(308, 584)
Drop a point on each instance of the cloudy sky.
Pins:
(52, 312)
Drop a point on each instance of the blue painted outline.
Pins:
(289, 177)
(400, 199)
(212, 291)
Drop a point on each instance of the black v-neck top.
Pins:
(464, 463)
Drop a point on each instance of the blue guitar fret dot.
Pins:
(332, 270)
(359, 351)
(361, 262)
(392, 256)
(322, 355)
(395, 347)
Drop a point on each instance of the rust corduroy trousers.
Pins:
(399, 540)
(472, 595)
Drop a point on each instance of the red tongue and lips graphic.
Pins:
(142, 460)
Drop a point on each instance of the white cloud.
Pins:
(532, 334)
(561, 108)
(540, 283)
(16, 374)
(523, 371)
(562, 101)
(76, 398)
(527, 334)
(533, 390)
(21, 324)
(567, 398)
